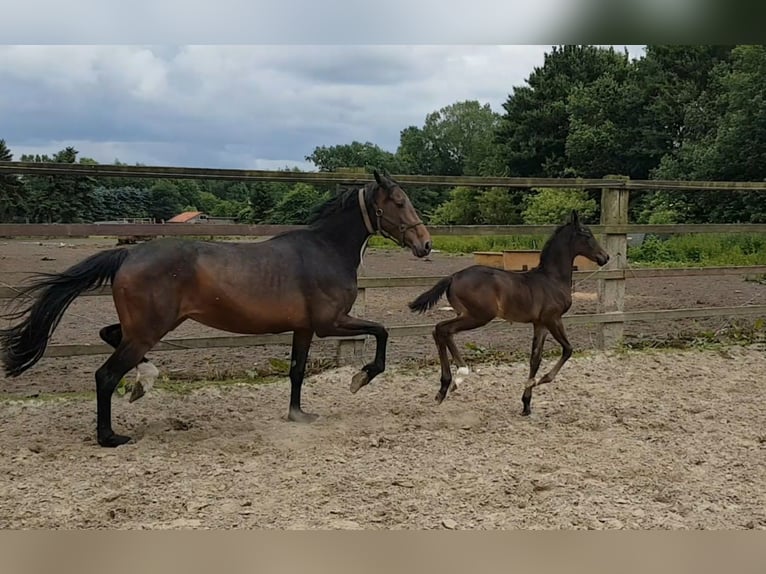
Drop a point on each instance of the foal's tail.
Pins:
(24, 344)
(428, 299)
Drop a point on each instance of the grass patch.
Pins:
(690, 250)
(741, 332)
(700, 250)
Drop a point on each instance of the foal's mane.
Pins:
(552, 240)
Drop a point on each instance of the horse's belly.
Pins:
(259, 317)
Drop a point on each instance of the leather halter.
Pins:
(381, 217)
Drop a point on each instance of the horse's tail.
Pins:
(428, 299)
(23, 344)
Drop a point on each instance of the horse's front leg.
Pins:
(347, 326)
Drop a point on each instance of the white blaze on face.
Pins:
(146, 375)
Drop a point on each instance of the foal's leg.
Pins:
(147, 372)
(347, 326)
(443, 333)
(462, 367)
(535, 358)
(556, 328)
(299, 356)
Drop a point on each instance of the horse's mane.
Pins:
(338, 203)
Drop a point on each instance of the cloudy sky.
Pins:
(249, 106)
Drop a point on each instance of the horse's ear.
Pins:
(377, 177)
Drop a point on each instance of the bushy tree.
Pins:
(297, 205)
(551, 206)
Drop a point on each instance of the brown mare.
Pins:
(539, 296)
(304, 281)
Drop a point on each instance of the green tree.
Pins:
(59, 199)
(500, 206)
(455, 140)
(165, 200)
(356, 154)
(12, 197)
(534, 129)
(262, 199)
(295, 207)
(461, 208)
(553, 205)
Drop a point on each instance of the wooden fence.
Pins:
(614, 226)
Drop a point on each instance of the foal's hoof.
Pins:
(299, 416)
(359, 380)
(113, 440)
(440, 396)
(527, 408)
(137, 392)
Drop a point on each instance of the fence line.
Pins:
(357, 343)
(184, 344)
(355, 177)
(10, 291)
(63, 230)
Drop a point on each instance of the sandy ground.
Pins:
(651, 439)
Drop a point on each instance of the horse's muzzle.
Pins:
(421, 250)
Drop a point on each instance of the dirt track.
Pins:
(644, 440)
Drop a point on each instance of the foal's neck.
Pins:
(557, 262)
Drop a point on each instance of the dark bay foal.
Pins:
(303, 281)
(539, 296)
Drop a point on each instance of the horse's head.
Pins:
(397, 219)
(585, 243)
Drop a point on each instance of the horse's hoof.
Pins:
(298, 416)
(358, 381)
(137, 392)
(439, 398)
(113, 440)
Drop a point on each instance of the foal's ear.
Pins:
(575, 218)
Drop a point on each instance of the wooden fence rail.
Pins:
(182, 344)
(63, 230)
(365, 283)
(354, 177)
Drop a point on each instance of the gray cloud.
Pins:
(239, 106)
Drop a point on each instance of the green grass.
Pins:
(463, 244)
(691, 250)
(701, 250)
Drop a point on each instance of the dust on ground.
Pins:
(669, 440)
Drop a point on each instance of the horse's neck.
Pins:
(348, 236)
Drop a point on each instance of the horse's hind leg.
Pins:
(126, 356)
(147, 372)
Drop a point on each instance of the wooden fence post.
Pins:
(611, 292)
